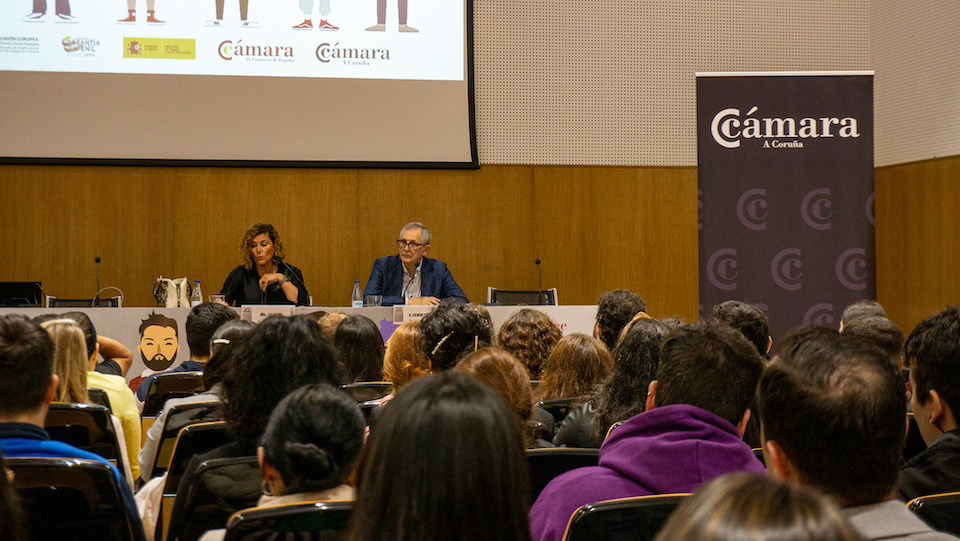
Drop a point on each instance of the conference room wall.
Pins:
(594, 228)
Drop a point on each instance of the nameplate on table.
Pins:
(258, 313)
(403, 313)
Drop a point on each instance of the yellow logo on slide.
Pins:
(183, 49)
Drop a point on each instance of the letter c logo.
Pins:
(721, 127)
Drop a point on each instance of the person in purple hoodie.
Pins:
(690, 432)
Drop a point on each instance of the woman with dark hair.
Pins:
(450, 331)
(264, 278)
(276, 357)
(740, 506)
(530, 335)
(509, 377)
(309, 448)
(446, 462)
(360, 346)
(577, 365)
(624, 393)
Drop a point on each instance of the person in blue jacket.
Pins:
(410, 277)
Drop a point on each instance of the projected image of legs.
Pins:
(132, 13)
(40, 9)
(381, 25)
(306, 6)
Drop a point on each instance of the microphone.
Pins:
(539, 282)
(97, 296)
(279, 261)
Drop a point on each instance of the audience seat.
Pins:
(559, 407)
(939, 511)
(633, 519)
(164, 387)
(76, 498)
(545, 464)
(365, 391)
(90, 428)
(221, 487)
(180, 416)
(322, 521)
(98, 397)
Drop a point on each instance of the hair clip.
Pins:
(440, 343)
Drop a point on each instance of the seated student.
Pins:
(77, 372)
(865, 307)
(116, 357)
(933, 354)
(530, 335)
(404, 360)
(451, 331)
(832, 417)
(741, 506)
(223, 347)
(509, 377)
(614, 310)
(691, 431)
(446, 462)
(360, 347)
(27, 387)
(202, 321)
(577, 365)
(623, 394)
(309, 449)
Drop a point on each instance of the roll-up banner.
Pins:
(785, 172)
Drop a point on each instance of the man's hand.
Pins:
(423, 300)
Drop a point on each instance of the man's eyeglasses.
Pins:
(401, 244)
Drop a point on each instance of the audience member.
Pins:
(360, 346)
(482, 311)
(740, 506)
(308, 449)
(933, 354)
(577, 365)
(614, 310)
(450, 331)
(509, 377)
(405, 359)
(832, 417)
(623, 394)
(860, 308)
(117, 359)
(691, 431)
(749, 320)
(69, 360)
(882, 332)
(223, 347)
(11, 514)
(202, 321)
(27, 387)
(329, 323)
(530, 336)
(446, 462)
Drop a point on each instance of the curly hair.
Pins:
(452, 330)
(530, 335)
(247, 241)
(405, 360)
(577, 365)
(614, 310)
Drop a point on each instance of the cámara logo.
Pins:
(229, 50)
(728, 128)
(350, 55)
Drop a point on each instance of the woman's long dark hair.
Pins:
(278, 356)
(445, 461)
(360, 346)
(635, 363)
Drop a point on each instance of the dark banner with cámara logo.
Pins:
(785, 172)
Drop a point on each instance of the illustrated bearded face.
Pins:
(159, 347)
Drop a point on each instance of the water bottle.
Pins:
(196, 297)
(356, 300)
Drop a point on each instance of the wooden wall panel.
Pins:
(594, 228)
(918, 238)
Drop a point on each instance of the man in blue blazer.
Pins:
(409, 277)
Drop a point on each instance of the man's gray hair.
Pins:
(424, 232)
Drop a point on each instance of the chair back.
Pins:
(634, 519)
(98, 397)
(180, 416)
(545, 464)
(940, 511)
(319, 521)
(76, 498)
(105, 302)
(87, 427)
(534, 297)
(365, 391)
(221, 487)
(193, 440)
(560, 407)
(169, 385)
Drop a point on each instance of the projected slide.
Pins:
(355, 39)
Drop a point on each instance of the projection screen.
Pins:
(236, 82)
